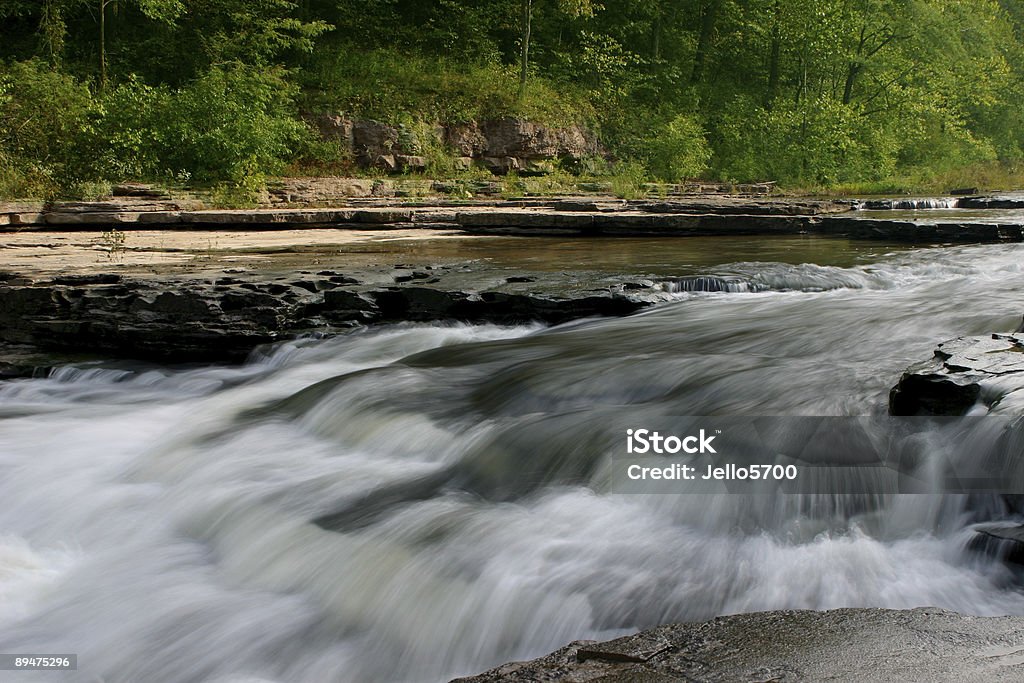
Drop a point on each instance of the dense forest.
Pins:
(811, 93)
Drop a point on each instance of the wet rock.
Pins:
(962, 372)
(235, 301)
(224, 318)
(641, 647)
(175, 305)
(97, 279)
(343, 280)
(992, 202)
(1001, 541)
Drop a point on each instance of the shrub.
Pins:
(678, 150)
(231, 124)
(44, 116)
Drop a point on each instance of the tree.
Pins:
(160, 10)
(573, 8)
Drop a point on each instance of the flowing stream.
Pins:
(158, 522)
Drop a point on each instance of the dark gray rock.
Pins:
(1002, 541)
(466, 139)
(962, 372)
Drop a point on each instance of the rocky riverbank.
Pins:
(352, 206)
(924, 644)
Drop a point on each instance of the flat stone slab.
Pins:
(925, 644)
(525, 216)
(962, 373)
(224, 315)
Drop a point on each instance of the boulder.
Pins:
(373, 139)
(1001, 541)
(502, 165)
(465, 139)
(512, 137)
(410, 163)
(334, 127)
(386, 162)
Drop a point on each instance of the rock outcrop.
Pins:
(925, 644)
(962, 373)
(500, 145)
(181, 319)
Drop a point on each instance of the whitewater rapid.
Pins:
(158, 522)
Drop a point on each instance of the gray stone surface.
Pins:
(962, 373)
(186, 318)
(876, 645)
(527, 216)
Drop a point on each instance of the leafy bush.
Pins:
(813, 141)
(44, 115)
(388, 86)
(678, 150)
(229, 124)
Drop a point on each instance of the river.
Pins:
(158, 522)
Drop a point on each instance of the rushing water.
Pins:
(158, 523)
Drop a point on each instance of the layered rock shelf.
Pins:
(700, 216)
(964, 372)
(180, 318)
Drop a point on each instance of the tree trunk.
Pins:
(524, 53)
(52, 29)
(854, 68)
(103, 45)
(773, 60)
(707, 30)
(656, 34)
(851, 79)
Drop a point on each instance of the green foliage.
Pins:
(388, 86)
(868, 93)
(678, 150)
(813, 141)
(44, 115)
(232, 123)
(629, 180)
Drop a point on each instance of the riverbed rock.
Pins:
(963, 373)
(1002, 541)
(183, 319)
(924, 644)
